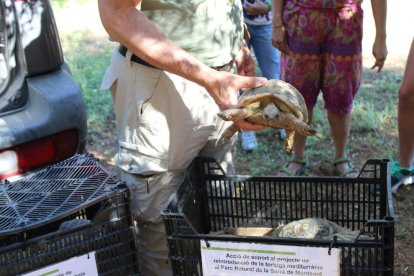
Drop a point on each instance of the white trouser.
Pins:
(163, 123)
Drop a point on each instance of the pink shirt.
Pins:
(326, 4)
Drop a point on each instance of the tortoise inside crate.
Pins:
(208, 200)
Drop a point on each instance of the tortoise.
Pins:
(312, 229)
(277, 104)
(308, 228)
(315, 228)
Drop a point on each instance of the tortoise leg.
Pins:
(300, 126)
(230, 131)
(233, 114)
(227, 134)
(290, 135)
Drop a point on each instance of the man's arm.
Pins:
(130, 27)
(379, 49)
(127, 25)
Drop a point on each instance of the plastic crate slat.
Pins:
(8, 221)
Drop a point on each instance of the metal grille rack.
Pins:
(66, 210)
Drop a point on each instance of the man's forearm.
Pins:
(130, 27)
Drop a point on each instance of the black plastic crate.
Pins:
(67, 210)
(208, 200)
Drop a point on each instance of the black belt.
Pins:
(122, 50)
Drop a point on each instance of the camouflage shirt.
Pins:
(211, 30)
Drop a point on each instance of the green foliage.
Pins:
(88, 57)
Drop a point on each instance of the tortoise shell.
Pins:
(285, 95)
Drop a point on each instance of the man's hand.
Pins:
(245, 125)
(226, 86)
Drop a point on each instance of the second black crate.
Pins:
(208, 200)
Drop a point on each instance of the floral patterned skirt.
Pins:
(325, 54)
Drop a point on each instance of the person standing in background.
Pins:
(258, 18)
(321, 45)
(404, 166)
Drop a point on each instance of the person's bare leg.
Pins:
(340, 128)
(406, 113)
(299, 149)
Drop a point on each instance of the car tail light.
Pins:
(39, 153)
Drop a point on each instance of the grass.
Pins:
(373, 134)
(88, 56)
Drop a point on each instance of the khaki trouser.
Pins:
(163, 123)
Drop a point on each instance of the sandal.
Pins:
(303, 166)
(350, 170)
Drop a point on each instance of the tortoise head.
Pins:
(270, 111)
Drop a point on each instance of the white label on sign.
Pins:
(230, 258)
(84, 265)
